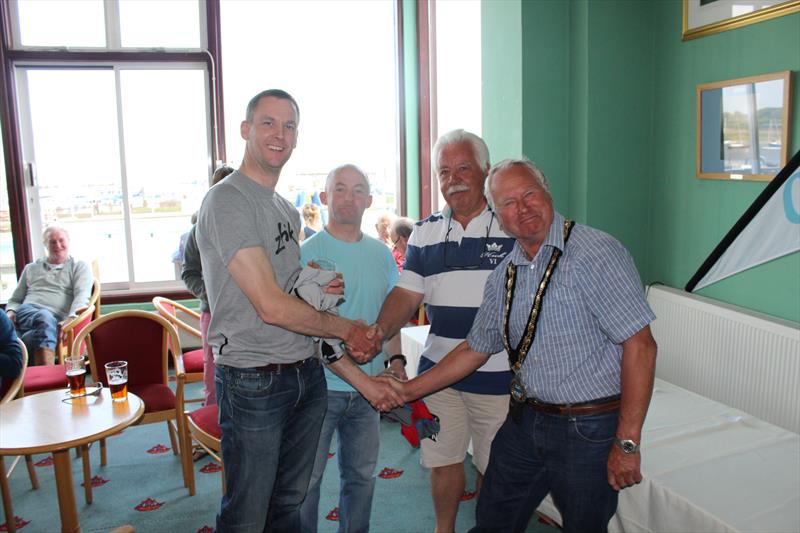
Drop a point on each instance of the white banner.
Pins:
(773, 232)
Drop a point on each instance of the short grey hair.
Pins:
(50, 229)
(479, 148)
(403, 227)
(506, 164)
(348, 166)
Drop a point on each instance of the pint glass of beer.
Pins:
(76, 374)
(117, 374)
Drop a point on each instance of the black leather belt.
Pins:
(600, 405)
(277, 368)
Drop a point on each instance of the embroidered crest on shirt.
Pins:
(494, 252)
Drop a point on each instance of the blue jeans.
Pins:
(38, 327)
(270, 426)
(358, 427)
(543, 453)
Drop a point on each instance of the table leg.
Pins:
(66, 492)
(10, 522)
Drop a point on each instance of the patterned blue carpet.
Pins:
(142, 486)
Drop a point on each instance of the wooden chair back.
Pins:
(10, 387)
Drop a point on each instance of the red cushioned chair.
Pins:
(202, 426)
(43, 378)
(144, 340)
(178, 314)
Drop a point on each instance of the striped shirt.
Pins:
(595, 301)
(452, 283)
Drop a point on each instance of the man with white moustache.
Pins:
(448, 258)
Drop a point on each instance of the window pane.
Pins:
(77, 23)
(74, 130)
(458, 71)
(166, 157)
(160, 23)
(458, 66)
(8, 273)
(345, 87)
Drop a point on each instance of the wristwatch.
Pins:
(628, 446)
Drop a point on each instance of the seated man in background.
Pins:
(50, 290)
(10, 352)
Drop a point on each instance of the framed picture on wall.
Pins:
(705, 17)
(743, 127)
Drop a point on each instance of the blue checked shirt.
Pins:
(594, 302)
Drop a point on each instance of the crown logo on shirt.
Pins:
(493, 247)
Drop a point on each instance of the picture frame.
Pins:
(743, 127)
(706, 17)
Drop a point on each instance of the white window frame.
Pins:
(113, 30)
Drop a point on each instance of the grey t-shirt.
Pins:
(239, 213)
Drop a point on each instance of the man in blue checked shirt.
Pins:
(568, 305)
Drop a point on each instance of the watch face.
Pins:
(628, 446)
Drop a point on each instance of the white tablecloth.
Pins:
(709, 467)
(706, 466)
(412, 340)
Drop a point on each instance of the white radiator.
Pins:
(741, 358)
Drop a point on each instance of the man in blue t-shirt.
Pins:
(369, 274)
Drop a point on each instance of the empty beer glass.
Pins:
(117, 374)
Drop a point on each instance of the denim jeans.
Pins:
(270, 426)
(38, 327)
(543, 453)
(357, 425)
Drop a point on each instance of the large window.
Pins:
(338, 61)
(118, 156)
(118, 117)
(116, 145)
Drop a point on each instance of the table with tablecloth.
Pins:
(706, 466)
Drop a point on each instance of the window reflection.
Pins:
(8, 273)
(345, 87)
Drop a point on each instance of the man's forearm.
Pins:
(638, 373)
(253, 273)
(458, 364)
(399, 306)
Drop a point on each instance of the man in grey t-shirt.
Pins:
(271, 389)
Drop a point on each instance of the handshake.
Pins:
(364, 341)
(389, 389)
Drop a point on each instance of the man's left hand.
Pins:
(624, 470)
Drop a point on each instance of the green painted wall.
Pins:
(690, 216)
(588, 94)
(609, 114)
(545, 77)
(502, 61)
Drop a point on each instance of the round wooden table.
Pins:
(43, 423)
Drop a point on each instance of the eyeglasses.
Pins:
(466, 255)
